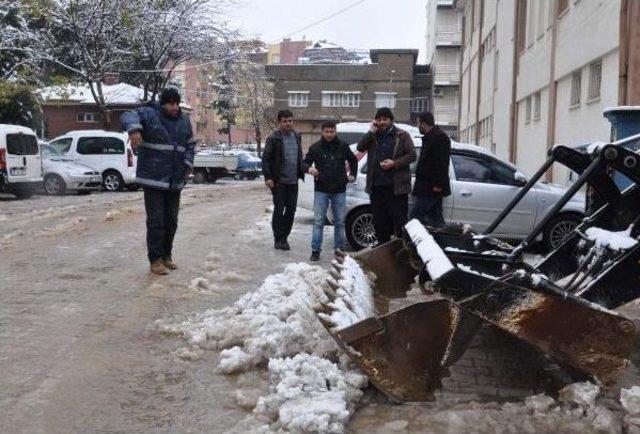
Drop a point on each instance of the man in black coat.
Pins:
(329, 157)
(282, 166)
(432, 173)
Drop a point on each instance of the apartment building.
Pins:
(352, 92)
(537, 73)
(444, 39)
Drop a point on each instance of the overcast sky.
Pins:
(371, 24)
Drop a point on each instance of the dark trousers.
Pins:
(389, 212)
(428, 209)
(285, 201)
(162, 208)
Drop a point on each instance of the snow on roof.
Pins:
(10, 128)
(622, 108)
(120, 93)
(470, 147)
(322, 45)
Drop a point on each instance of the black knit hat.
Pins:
(169, 94)
(384, 112)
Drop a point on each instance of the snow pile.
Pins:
(310, 394)
(354, 296)
(583, 394)
(432, 255)
(630, 400)
(274, 321)
(613, 240)
(120, 93)
(276, 325)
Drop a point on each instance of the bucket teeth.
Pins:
(335, 274)
(324, 319)
(340, 254)
(330, 293)
(339, 259)
(333, 284)
(336, 266)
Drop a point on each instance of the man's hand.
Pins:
(374, 127)
(437, 189)
(387, 164)
(314, 172)
(269, 183)
(135, 138)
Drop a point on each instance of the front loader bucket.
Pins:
(404, 337)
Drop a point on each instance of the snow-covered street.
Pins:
(89, 342)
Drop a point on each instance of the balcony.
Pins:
(448, 36)
(445, 114)
(447, 75)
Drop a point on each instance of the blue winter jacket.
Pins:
(167, 146)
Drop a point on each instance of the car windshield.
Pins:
(51, 153)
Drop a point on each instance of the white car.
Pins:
(481, 187)
(108, 152)
(20, 163)
(64, 174)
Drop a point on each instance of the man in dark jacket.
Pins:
(164, 141)
(282, 166)
(432, 173)
(329, 157)
(391, 152)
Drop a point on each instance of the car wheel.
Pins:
(199, 177)
(360, 231)
(112, 181)
(559, 229)
(54, 185)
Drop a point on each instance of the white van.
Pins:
(108, 152)
(20, 162)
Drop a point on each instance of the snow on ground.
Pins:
(311, 387)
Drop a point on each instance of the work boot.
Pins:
(278, 245)
(168, 263)
(158, 268)
(285, 245)
(315, 256)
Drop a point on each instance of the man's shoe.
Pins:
(285, 245)
(315, 256)
(158, 268)
(168, 263)
(277, 245)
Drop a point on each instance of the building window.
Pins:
(88, 117)
(576, 88)
(488, 44)
(536, 106)
(527, 110)
(541, 18)
(563, 5)
(276, 59)
(385, 99)
(496, 69)
(351, 99)
(298, 99)
(418, 105)
(531, 22)
(331, 99)
(595, 80)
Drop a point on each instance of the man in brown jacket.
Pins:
(391, 152)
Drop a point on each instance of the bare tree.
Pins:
(256, 99)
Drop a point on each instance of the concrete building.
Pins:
(286, 52)
(537, 73)
(443, 42)
(351, 92)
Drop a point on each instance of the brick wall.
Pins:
(60, 119)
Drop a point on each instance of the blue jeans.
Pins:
(428, 209)
(339, 207)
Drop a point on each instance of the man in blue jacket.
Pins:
(163, 138)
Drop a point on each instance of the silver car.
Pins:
(481, 187)
(63, 174)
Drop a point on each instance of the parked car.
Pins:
(481, 187)
(64, 174)
(209, 166)
(20, 162)
(108, 152)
